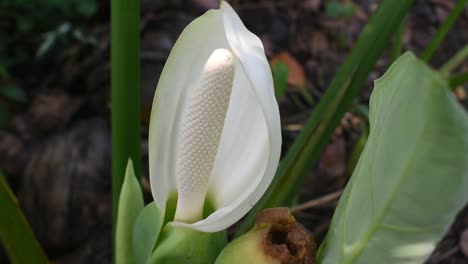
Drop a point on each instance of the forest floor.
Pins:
(55, 144)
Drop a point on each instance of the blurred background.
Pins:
(55, 115)
(54, 123)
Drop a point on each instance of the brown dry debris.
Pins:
(285, 239)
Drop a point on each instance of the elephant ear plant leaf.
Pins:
(412, 177)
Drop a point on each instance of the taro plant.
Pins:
(215, 144)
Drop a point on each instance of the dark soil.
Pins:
(55, 150)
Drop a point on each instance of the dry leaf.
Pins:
(296, 75)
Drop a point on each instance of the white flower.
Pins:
(215, 126)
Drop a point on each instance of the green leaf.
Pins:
(357, 150)
(3, 70)
(458, 80)
(397, 45)
(280, 78)
(146, 232)
(334, 8)
(50, 39)
(363, 112)
(13, 92)
(4, 117)
(130, 205)
(87, 8)
(457, 59)
(443, 30)
(412, 177)
(15, 233)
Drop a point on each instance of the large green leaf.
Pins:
(130, 205)
(412, 177)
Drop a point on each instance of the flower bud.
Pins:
(276, 239)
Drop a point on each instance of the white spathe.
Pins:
(250, 144)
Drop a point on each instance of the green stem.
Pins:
(443, 30)
(125, 92)
(15, 232)
(458, 80)
(453, 62)
(397, 45)
(307, 148)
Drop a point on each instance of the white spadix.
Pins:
(202, 125)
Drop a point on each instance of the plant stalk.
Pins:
(458, 80)
(125, 92)
(453, 62)
(443, 30)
